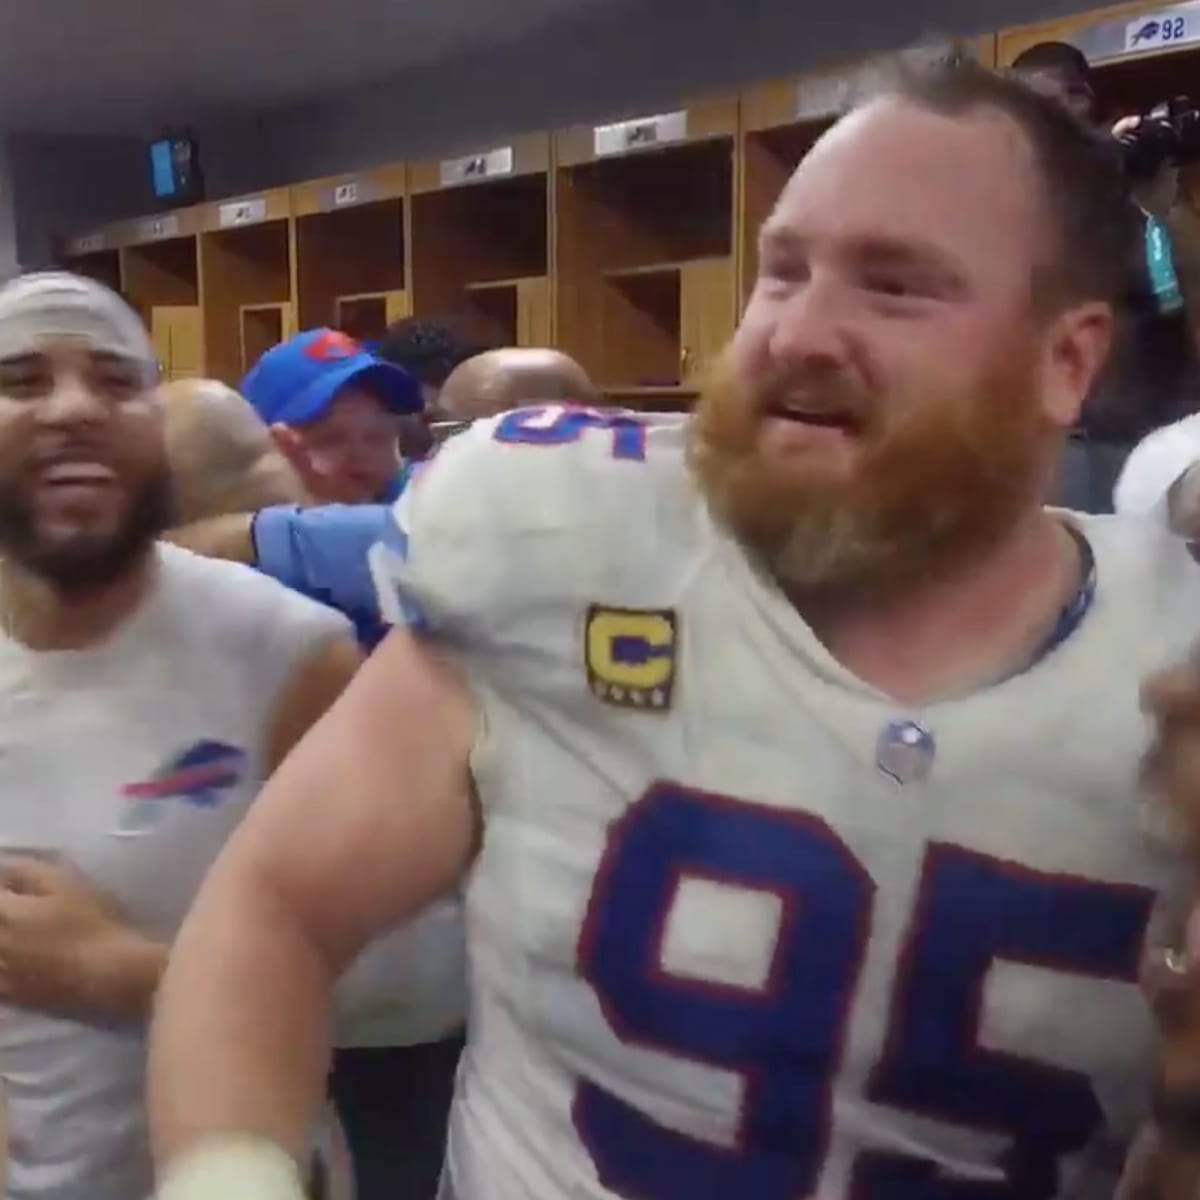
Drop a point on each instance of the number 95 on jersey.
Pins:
(827, 1070)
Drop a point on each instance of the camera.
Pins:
(1168, 133)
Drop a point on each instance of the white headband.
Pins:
(57, 303)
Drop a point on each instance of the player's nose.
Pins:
(71, 402)
(811, 326)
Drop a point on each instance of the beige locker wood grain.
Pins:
(398, 306)
(533, 312)
(707, 315)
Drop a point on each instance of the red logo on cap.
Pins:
(332, 345)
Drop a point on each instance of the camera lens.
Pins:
(1154, 142)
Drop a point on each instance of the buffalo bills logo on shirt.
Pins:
(200, 777)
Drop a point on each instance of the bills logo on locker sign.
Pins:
(1172, 27)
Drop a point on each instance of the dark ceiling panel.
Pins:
(132, 65)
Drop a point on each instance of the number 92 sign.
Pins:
(1163, 30)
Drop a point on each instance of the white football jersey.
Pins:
(742, 926)
(133, 761)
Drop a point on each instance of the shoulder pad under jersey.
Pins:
(520, 510)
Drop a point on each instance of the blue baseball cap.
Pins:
(295, 382)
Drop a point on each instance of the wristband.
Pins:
(234, 1165)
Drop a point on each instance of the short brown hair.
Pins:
(1060, 57)
(1093, 221)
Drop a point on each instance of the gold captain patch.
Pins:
(630, 655)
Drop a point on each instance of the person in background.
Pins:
(222, 455)
(228, 469)
(146, 694)
(1152, 375)
(496, 380)
(1061, 70)
(430, 351)
(402, 1004)
(323, 551)
(333, 405)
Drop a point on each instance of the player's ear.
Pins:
(284, 437)
(291, 446)
(1076, 347)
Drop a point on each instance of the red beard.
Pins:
(936, 482)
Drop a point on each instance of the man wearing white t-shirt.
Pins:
(145, 693)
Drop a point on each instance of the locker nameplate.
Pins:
(472, 167)
(242, 212)
(88, 244)
(158, 228)
(348, 194)
(640, 133)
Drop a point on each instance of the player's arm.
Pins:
(365, 823)
(230, 537)
(1161, 478)
(319, 552)
(314, 686)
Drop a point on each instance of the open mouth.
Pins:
(817, 418)
(76, 476)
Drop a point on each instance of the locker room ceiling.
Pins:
(110, 66)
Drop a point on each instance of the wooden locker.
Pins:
(533, 312)
(398, 306)
(160, 336)
(177, 332)
(187, 342)
(368, 316)
(90, 257)
(246, 268)
(480, 229)
(707, 316)
(350, 244)
(263, 326)
(639, 203)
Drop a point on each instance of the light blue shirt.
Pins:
(322, 553)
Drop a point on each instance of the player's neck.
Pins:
(966, 631)
(41, 617)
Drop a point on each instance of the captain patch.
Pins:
(630, 655)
